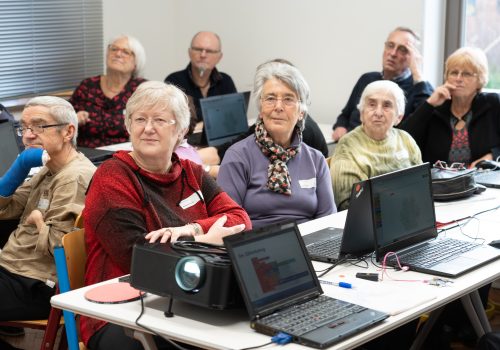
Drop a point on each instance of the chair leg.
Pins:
(49, 337)
(63, 343)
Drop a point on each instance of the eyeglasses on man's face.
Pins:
(465, 74)
(157, 122)
(389, 45)
(125, 52)
(199, 50)
(36, 129)
(271, 101)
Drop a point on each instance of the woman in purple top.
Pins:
(100, 101)
(272, 174)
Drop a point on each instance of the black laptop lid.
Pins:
(357, 239)
(96, 155)
(272, 268)
(403, 209)
(224, 118)
(10, 144)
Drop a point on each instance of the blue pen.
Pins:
(339, 284)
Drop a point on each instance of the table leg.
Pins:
(426, 328)
(472, 314)
(481, 313)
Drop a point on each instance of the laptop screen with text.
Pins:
(274, 269)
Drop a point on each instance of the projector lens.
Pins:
(190, 273)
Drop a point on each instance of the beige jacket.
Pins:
(60, 198)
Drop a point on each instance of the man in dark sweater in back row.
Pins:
(201, 78)
(401, 62)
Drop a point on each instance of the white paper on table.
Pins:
(390, 297)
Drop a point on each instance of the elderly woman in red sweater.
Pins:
(149, 194)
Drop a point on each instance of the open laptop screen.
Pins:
(224, 117)
(10, 145)
(402, 207)
(272, 266)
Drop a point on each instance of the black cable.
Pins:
(328, 269)
(258, 346)
(177, 346)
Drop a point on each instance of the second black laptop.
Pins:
(404, 223)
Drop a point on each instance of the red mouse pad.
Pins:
(113, 293)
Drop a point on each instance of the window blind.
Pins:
(48, 45)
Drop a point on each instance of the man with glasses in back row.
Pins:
(46, 206)
(401, 63)
(201, 79)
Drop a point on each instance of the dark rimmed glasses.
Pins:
(36, 129)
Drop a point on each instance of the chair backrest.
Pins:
(76, 257)
(70, 264)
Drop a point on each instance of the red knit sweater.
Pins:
(125, 202)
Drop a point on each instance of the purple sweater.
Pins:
(243, 175)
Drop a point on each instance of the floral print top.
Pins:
(106, 115)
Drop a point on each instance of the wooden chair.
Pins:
(70, 263)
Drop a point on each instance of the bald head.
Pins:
(208, 37)
(204, 53)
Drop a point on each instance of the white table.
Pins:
(229, 329)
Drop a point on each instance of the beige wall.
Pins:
(331, 42)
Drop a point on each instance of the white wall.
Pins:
(331, 42)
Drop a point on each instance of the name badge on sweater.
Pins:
(309, 183)
(402, 155)
(191, 200)
(43, 202)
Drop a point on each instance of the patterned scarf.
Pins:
(278, 176)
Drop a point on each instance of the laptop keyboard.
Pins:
(431, 254)
(302, 318)
(330, 247)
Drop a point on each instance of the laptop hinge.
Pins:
(298, 301)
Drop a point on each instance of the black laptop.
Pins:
(356, 239)
(404, 222)
(10, 144)
(95, 155)
(224, 119)
(283, 294)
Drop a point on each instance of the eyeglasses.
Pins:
(156, 122)
(36, 129)
(125, 52)
(270, 101)
(389, 45)
(464, 74)
(455, 166)
(201, 49)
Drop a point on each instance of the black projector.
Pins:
(202, 278)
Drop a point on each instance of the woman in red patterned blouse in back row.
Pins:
(100, 101)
